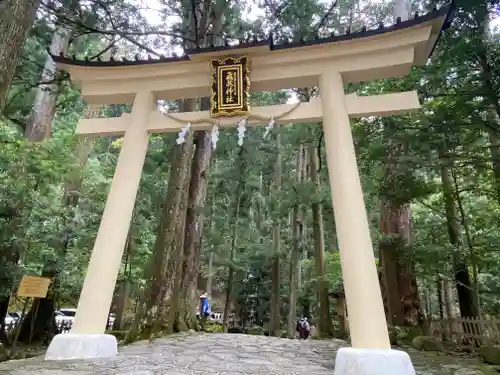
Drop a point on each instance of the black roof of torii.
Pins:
(445, 11)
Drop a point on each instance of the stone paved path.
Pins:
(225, 354)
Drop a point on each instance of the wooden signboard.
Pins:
(34, 287)
(229, 87)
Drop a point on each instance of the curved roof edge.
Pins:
(446, 11)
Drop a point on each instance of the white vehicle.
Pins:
(67, 316)
(111, 320)
(9, 320)
(216, 317)
(16, 315)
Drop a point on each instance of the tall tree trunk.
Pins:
(307, 291)
(158, 281)
(465, 290)
(428, 303)
(448, 300)
(194, 223)
(16, 18)
(207, 13)
(325, 327)
(495, 158)
(400, 286)
(402, 298)
(39, 125)
(162, 299)
(389, 274)
(210, 274)
(173, 319)
(125, 286)
(234, 226)
(304, 254)
(439, 290)
(468, 238)
(491, 95)
(275, 265)
(211, 256)
(407, 280)
(296, 223)
(488, 77)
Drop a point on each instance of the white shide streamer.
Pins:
(269, 127)
(241, 131)
(181, 138)
(214, 136)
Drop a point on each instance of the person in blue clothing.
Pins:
(204, 310)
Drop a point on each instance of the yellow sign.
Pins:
(33, 286)
(230, 87)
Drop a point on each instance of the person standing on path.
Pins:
(298, 328)
(306, 329)
(303, 328)
(204, 310)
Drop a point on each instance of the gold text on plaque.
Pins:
(230, 87)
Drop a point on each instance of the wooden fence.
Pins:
(467, 331)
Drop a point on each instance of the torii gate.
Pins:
(227, 74)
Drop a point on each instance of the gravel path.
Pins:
(224, 354)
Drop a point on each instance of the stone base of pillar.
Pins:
(350, 361)
(81, 346)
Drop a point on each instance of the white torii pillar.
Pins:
(87, 339)
(359, 272)
(371, 352)
(97, 292)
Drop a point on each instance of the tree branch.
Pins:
(325, 17)
(195, 23)
(122, 33)
(320, 143)
(111, 45)
(140, 45)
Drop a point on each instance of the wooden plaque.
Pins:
(230, 87)
(34, 287)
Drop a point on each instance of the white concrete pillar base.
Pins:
(81, 346)
(351, 361)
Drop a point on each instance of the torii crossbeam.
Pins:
(262, 65)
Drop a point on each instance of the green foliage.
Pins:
(213, 327)
(427, 343)
(256, 330)
(490, 354)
